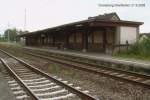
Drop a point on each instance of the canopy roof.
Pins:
(111, 20)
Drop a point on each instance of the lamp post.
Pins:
(8, 38)
(8, 35)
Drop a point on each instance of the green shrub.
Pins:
(134, 49)
(139, 50)
(144, 46)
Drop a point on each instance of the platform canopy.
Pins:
(109, 20)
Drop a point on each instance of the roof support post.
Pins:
(43, 42)
(105, 39)
(46, 37)
(66, 41)
(26, 41)
(53, 42)
(40, 40)
(85, 41)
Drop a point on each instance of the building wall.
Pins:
(78, 37)
(114, 36)
(117, 36)
(123, 34)
(71, 38)
(110, 37)
(128, 34)
(97, 43)
(22, 40)
(75, 41)
(98, 36)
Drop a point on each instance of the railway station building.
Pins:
(103, 33)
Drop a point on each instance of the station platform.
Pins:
(97, 56)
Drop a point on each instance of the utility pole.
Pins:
(8, 38)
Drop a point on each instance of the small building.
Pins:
(102, 33)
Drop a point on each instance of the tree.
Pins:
(2, 38)
(11, 34)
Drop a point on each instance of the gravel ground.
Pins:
(100, 87)
(5, 92)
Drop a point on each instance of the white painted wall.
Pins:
(22, 40)
(128, 34)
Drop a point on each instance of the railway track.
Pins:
(30, 83)
(117, 74)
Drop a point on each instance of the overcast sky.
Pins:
(42, 14)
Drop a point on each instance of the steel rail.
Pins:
(99, 72)
(86, 57)
(96, 66)
(18, 79)
(79, 93)
(108, 68)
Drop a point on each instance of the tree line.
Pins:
(11, 35)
